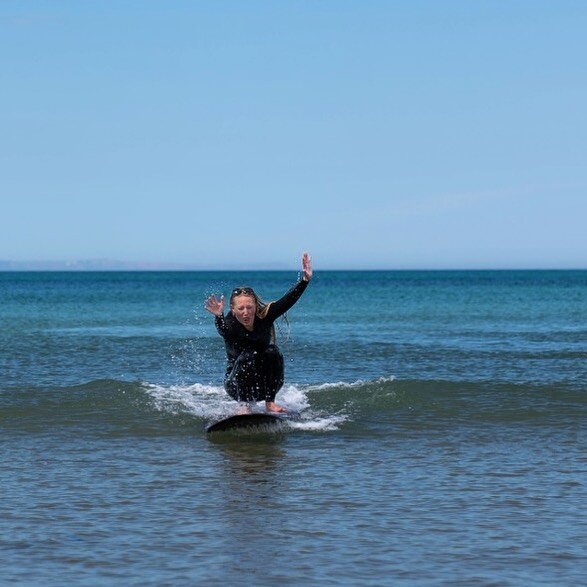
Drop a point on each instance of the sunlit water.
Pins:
(441, 437)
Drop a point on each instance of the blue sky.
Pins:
(236, 134)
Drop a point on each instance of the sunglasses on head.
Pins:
(237, 291)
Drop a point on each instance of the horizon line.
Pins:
(163, 268)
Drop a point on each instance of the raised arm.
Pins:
(282, 305)
(216, 306)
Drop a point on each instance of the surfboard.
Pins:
(240, 421)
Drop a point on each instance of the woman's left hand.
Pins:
(306, 267)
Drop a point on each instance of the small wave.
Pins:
(211, 402)
(346, 385)
(322, 407)
(115, 406)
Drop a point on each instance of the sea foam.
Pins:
(211, 402)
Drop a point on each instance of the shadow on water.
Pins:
(249, 454)
(254, 473)
(253, 469)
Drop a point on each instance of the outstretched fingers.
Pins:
(214, 305)
(307, 266)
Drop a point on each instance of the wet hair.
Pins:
(261, 307)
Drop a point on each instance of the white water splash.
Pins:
(203, 401)
(318, 424)
(212, 403)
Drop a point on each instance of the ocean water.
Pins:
(441, 439)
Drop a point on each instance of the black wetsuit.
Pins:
(255, 366)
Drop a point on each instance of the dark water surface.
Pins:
(441, 440)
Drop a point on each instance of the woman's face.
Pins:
(244, 308)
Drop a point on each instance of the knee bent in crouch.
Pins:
(256, 375)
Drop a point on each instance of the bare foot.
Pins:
(246, 409)
(273, 407)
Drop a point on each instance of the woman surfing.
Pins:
(254, 370)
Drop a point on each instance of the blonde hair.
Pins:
(261, 307)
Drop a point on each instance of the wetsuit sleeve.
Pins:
(282, 305)
(221, 325)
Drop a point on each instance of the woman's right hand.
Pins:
(215, 306)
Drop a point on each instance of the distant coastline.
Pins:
(86, 265)
(115, 265)
(81, 265)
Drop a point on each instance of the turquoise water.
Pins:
(441, 439)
